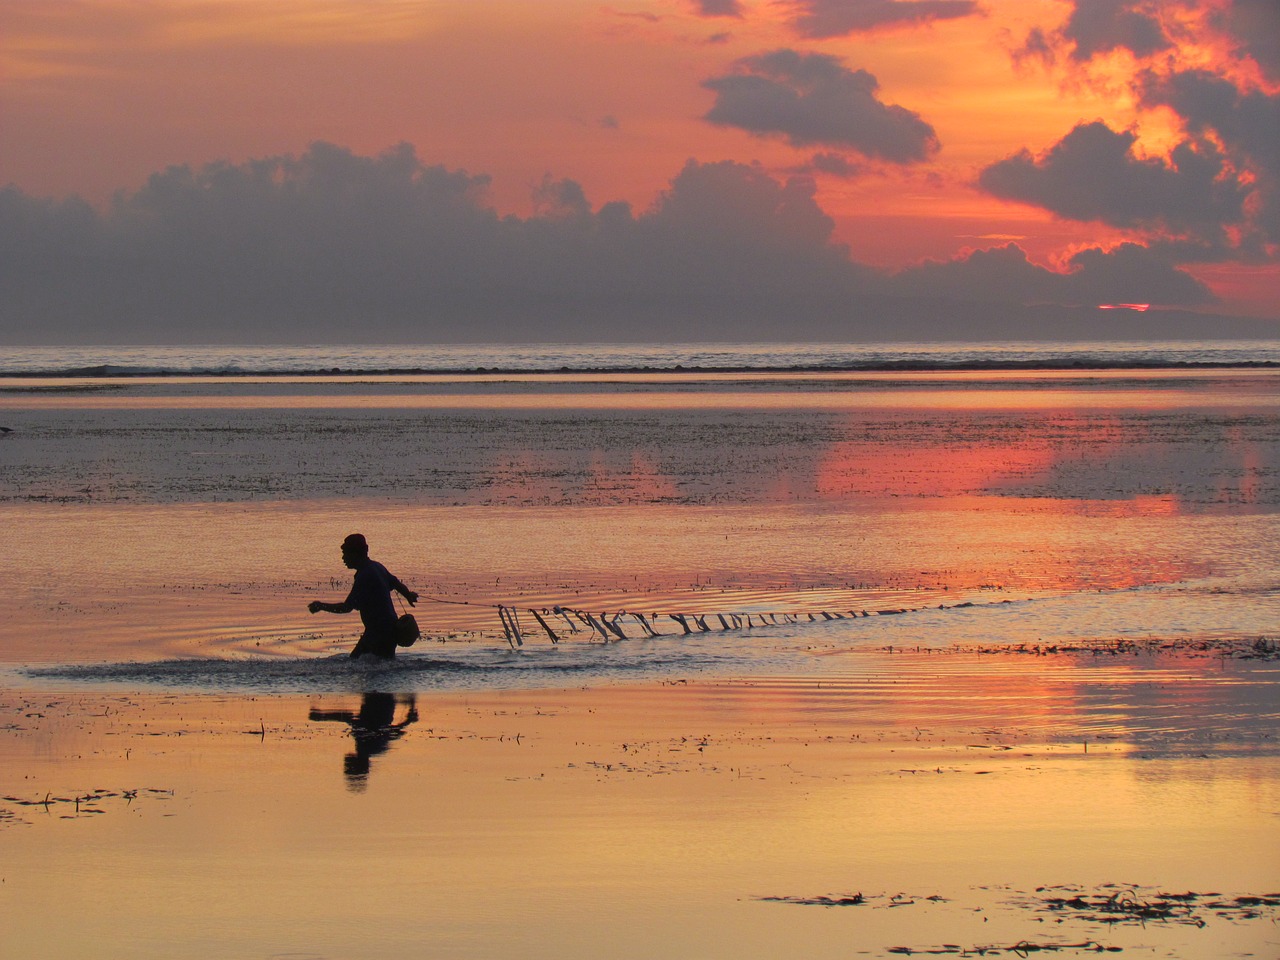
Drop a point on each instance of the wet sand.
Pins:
(1065, 744)
(940, 800)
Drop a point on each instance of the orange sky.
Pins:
(108, 91)
(97, 95)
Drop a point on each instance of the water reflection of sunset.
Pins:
(676, 796)
(924, 468)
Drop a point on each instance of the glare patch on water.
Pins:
(1211, 608)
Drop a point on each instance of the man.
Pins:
(371, 595)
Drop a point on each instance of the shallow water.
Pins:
(1072, 588)
(136, 588)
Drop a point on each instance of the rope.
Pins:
(459, 603)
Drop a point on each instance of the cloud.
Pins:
(820, 19)
(331, 246)
(1226, 30)
(835, 165)
(1101, 26)
(1246, 122)
(1092, 174)
(1255, 26)
(1038, 46)
(999, 274)
(1130, 273)
(1148, 27)
(812, 99)
(718, 8)
(1218, 190)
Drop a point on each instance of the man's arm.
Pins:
(404, 591)
(346, 606)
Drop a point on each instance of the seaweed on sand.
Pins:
(1127, 906)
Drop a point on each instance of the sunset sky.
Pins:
(454, 170)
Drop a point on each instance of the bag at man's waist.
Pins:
(407, 631)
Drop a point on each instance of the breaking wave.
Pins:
(237, 360)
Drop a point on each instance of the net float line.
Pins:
(609, 628)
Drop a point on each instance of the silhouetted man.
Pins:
(371, 595)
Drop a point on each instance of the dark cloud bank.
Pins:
(336, 247)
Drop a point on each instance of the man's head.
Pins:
(355, 549)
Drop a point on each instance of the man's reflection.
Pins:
(373, 729)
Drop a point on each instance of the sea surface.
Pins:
(169, 528)
(138, 360)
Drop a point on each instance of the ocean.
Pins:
(177, 360)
